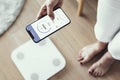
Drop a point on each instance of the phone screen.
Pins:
(45, 26)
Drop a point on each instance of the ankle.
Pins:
(101, 44)
(110, 57)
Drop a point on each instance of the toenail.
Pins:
(81, 63)
(90, 72)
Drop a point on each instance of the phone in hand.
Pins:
(45, 26)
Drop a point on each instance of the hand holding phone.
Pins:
(45, 26)
(46, 8)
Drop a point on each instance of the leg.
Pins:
(80, 7)
(105, 29)
(108, 20)
(114, 47)
(88, 52)
(102, 66)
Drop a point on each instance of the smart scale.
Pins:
(38, 61)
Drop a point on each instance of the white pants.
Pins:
(107, 28)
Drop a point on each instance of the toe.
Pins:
(80, 58)
(80, 53)
(101, 74)
(98, 74)
(85, 60)
(91, 71)
(94, 74)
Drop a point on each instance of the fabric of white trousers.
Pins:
(107, 27)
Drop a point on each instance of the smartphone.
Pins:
(45, 26)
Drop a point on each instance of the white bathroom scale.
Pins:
(38, 61)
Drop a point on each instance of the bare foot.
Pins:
(88, 52)
(102, 66)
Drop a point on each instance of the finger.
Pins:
(50, 11)
(42, 12)
(60, 4)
